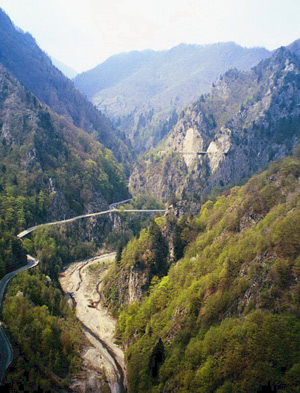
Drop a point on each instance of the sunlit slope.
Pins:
(225, 318)
(20, 54)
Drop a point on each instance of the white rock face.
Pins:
(247, 121)
(217, 149)
(191, 144)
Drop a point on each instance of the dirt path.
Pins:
(83, 281)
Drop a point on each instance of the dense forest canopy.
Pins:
(225, 318)
(206, 296)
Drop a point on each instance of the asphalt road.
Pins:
(27, 231)
(6, 352)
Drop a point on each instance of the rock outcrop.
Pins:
(247, 120)
(143, 92)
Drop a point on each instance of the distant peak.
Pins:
(294, 47)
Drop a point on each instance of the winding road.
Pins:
(29, 230)
(6, 352)
(110, 351)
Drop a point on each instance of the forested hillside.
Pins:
(20, 54)
(225, 318)
(143, 91)
(45, 331)
(247, 120)
(207, 296)
(49, 168)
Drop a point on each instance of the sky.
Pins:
(84, 33)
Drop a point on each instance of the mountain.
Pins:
(247, 120)
(42, 154)
(142, 91)
(295, 47)
(66, 70)
(20, 54)
(112, 71)
(210, 302)
(50, 170)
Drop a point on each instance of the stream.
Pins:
(103, 360)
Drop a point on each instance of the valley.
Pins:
(159, 196)
(103, 361)
(82, 281)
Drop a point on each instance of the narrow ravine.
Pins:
(82, 281)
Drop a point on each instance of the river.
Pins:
(103, 360)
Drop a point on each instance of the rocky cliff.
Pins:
(247, 120)
(142, 91)
(145, 259)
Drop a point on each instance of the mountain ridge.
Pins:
(20, 54)
(52, 156)
(144, 96)
(68, 71)
(248, 119)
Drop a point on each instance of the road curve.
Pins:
(115, 204)
(27, 231)
(6, 352)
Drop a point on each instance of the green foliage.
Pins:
(38, 316)
(129, 225)
(44, 327)
(33, 68)
(49, 169)
(228, 310)
(147, 252)
(50, 162)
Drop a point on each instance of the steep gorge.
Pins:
(206, 301)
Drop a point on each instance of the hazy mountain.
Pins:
(43, 153)
(142, 90)
(247, 120)
(112, 71)
(294, 47)
(20, 54)
(66, 70)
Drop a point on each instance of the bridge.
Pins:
(115, 204)
(194, 153)
(6, 351)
